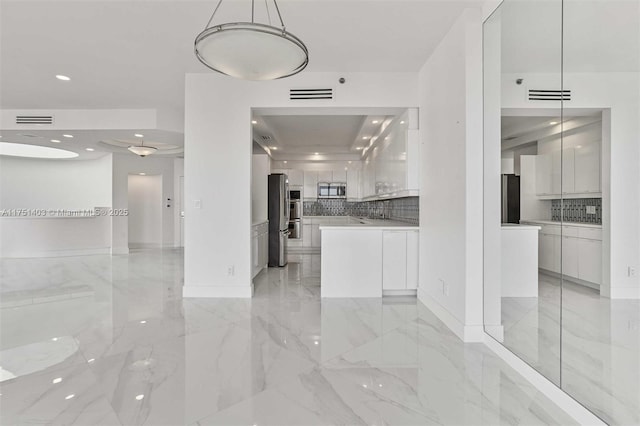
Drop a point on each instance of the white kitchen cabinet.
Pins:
(296, 177)
(315, 235)
(310, 184)
(353, 185)
(568, 171)
(339, 176)
(394, 260)
(306, 234)
(570, 256)
(590, 260)
(587, 168)
(259, 247)
(549, 252)
(413, 250)
(543, 174)
(325, 176)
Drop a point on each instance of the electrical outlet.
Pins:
(231, 271)
(631, 271)
(591, 209)
(197, 204)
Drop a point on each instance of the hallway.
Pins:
(127, 349)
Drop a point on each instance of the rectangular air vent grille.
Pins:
(266, 137)
(34, 119)
(549, 95)
(302, 94)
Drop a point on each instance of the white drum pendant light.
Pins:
(251, 51)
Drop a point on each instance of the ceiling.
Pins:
(135, 53)
(299, 137)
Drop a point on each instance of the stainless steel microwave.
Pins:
(332, 190)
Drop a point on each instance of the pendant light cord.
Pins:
(252, 13)
(213, 14)
(279, 16)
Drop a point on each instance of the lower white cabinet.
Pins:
(315, 235)
(590, 260)
(400, 260)
(259, 247)
(579, 248)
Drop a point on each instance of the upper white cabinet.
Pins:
(353, 185)
(310, 184)
(339, 176)
(326, 176)
(587, 169)
(296, 177)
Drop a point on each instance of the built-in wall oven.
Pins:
(295, 214)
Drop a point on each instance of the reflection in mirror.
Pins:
(600, 307)
(523, 136)
(562, 195)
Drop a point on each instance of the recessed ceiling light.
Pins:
(143, 322)
(68, 136)
(56, 380)
(142, 174)
(553, 123)
(402, 122)
(358, 148)
(63, 77)
(90, 149)
(349, 162)
(254, 122)
(91, 360)
(34, 151)
(365, 137)
(55, 141)
(139, 135)
(275, 148)
(316, 153)
(375, 122)
(285, 162)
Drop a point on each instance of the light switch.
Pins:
(197, 204)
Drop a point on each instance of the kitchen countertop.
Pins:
(553, 222)
(366, 223)
(519, 227)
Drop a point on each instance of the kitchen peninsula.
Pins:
(369, 258)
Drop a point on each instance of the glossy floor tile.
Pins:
(109, 340)
(594, 355)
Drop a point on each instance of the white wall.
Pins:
(55, 184)
(178, 171)
(618, 94)
(145, 211)
(260, 169)
(123, 166)
(218, 150)
(451, 227)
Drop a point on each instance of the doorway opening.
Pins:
(145, 211)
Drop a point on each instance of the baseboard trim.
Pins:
(572, 407)
(120, 250)
(218, 291)
(399, 292)
(624, 292)
(466, 333)
(57, 253)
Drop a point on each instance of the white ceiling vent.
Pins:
(307, 94)
(549, 95)
(34, 119)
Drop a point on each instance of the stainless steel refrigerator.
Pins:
(278, 218)
(510, 199)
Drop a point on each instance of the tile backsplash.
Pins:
(403, 209)
(582, 210)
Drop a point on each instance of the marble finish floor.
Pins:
(102, 340)
(598, 362)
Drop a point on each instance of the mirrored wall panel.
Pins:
(562, 195)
